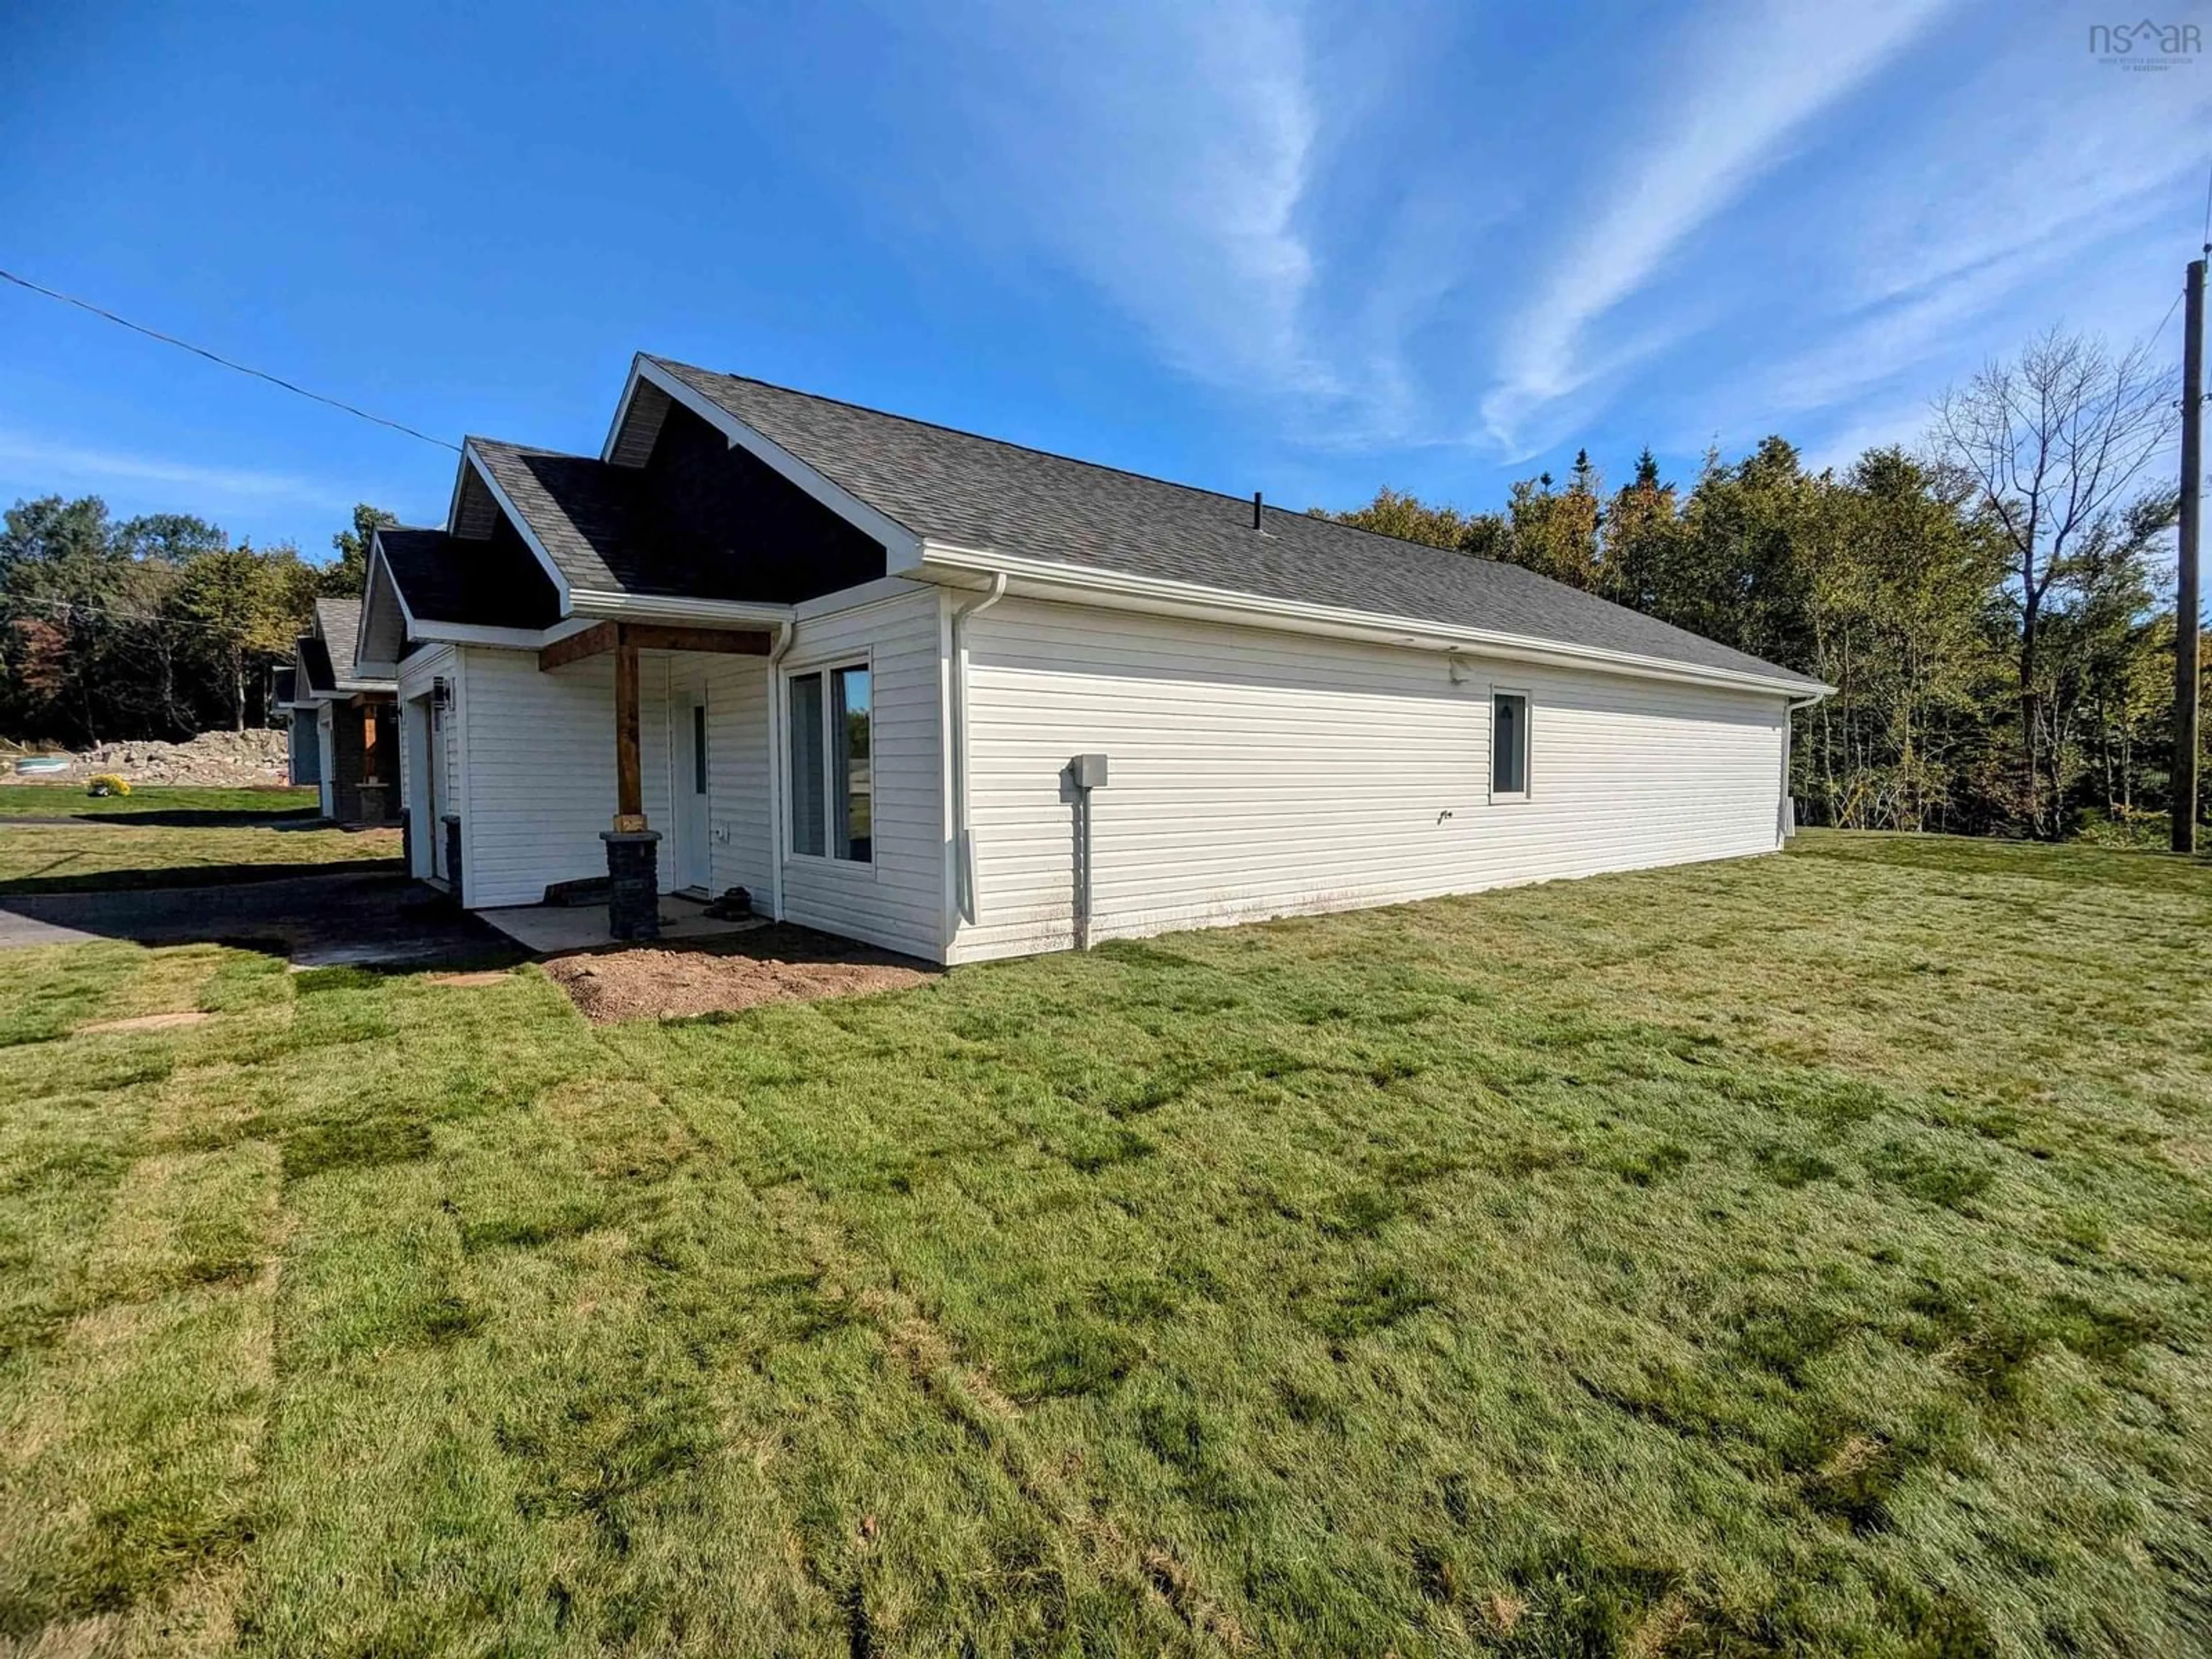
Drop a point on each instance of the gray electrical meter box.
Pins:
(1090, 771)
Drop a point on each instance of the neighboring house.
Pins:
(845, 660)
(351, 716)
(303, 760)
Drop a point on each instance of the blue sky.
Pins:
(1299, 248)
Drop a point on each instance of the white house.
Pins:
(342, 715)
(847, 661)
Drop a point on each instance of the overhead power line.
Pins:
(223, 362)
(2159, 332)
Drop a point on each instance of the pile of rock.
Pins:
(233, 760)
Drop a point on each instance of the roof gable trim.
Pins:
(901, 546)
(470, 456)
(380, 568)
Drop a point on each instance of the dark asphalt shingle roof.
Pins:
(487, 584)
(338, 623)
(585, 515)
(982, 492)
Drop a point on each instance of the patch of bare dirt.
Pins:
(470, 981)
(148, 1022)
(775, 964)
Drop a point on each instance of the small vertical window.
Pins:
(807, 767)
(832, 749)
(698, 748)
(1509, 743)
(852, 785)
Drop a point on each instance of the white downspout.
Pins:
(784, 631)
(1785, 812)
(963, 840)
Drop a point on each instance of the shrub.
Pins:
(107, 784)
(2126, 827)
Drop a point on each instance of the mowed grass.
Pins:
(105, 857)
(1802, 1255)
(69, 800)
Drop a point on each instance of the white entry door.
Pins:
(327, 794)
(694, 855)
(434, 784)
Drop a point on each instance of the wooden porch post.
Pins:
(632, 852)
(629, 790)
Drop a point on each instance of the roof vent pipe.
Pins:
(1255, 509)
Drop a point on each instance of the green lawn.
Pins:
(1802, 1255)
(69, 800)
(99, 856)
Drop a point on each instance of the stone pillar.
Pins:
(453, 822)
(633, 883)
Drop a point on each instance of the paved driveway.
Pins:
(373, 919)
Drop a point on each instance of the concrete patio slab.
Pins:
(20, 933)
(551, 930)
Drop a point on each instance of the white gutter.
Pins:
(1124, 590)
(784, 631)
(964, 841)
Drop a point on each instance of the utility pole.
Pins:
(2185, 612)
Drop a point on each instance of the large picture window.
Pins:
(1509, 743)
(832, 776)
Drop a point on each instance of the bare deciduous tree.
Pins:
(2053, 443)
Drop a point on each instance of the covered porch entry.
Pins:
(670, 712)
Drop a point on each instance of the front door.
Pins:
(434, 786)
(694, 856)
(325, 763)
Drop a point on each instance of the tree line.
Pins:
(1994, 609)
(152, 627)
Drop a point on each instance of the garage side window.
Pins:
(832, 776)
(1509, 743)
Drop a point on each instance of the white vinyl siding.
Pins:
(656, 760)
(1259, 773)
(895, 901)
(737, 779)
(541, 769)
(540, 772)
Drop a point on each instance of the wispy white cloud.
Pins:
(1427, 238)
(2038, 193)
(1753, 79)
(48, 464)
(1161, 152)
